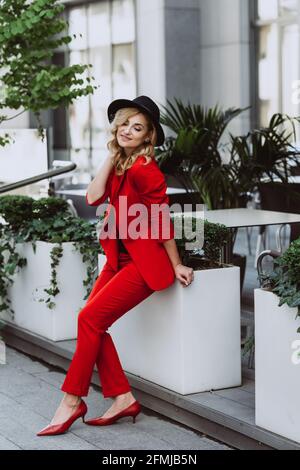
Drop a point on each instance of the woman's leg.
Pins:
(71, 401)
(120, 294)
(111, 374)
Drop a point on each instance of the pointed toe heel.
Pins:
(132, 410)
(55, 429)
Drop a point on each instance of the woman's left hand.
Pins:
(184, 274)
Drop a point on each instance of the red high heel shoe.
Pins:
(132, 410)
(54, 429)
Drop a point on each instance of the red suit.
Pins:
(124, 281)
(141, 184)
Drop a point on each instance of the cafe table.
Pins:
(243, 217)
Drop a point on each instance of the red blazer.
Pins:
(141, 184)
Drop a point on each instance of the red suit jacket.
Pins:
(142, 183)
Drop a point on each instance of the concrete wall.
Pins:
(225, 56)
(150, 49)
(182, 40)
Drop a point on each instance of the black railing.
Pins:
(34, 179)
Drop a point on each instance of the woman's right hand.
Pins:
(184, 274)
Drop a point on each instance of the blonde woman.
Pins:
(135, 266)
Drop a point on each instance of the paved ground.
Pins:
(30, 393)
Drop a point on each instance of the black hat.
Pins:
(144, 103)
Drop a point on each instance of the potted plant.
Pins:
(187, 340)
(277, 345)
(48, 260)
(195, 155)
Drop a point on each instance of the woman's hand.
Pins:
(184, 274)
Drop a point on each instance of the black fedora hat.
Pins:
(144, 103)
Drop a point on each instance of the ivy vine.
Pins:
(47, 219)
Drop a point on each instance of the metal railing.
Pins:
(34, 179)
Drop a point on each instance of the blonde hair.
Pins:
(120, 160)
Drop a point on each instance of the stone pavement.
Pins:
(30, 393)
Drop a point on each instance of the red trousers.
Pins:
(113, 294)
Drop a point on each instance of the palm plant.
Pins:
(266, 154)
(194, 156)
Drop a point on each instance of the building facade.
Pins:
(234, 53)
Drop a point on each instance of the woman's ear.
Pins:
(149, 138)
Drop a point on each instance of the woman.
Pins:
(135, 266)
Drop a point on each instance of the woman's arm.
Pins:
(96, 188)
(152, 187)
(171, 248)
(183, 273)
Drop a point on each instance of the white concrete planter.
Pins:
(185, 339)
(277, 366)
(55, 324)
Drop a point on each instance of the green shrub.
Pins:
(215, 238)
(284, 279)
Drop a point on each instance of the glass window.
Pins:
(268, 72)
(123, 70)
(79, 111)
(290, 67)
(272, 9)
(105, 38)
(288, 6)
(122, 21)
(99, 30)
(278, 57)
(267, 9)
(78, 27)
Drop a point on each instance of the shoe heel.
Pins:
(83, 420)
(133, 418)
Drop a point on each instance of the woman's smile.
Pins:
(125, 138)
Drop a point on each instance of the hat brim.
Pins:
(123, 103)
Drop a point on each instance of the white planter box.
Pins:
(59, 323)
(277, 366)
(185, 339)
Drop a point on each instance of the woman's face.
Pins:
(133, 133)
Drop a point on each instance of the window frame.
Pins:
(256, 23)
(65, 153)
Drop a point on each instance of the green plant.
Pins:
(265, 153)
(215, 238)
(195, 156)
(224, 173)
(30, 32)
(284, 279)
(50, 220)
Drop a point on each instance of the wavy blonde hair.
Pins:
(120, 160)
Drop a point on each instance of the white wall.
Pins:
(20, 122)
(150, 51)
